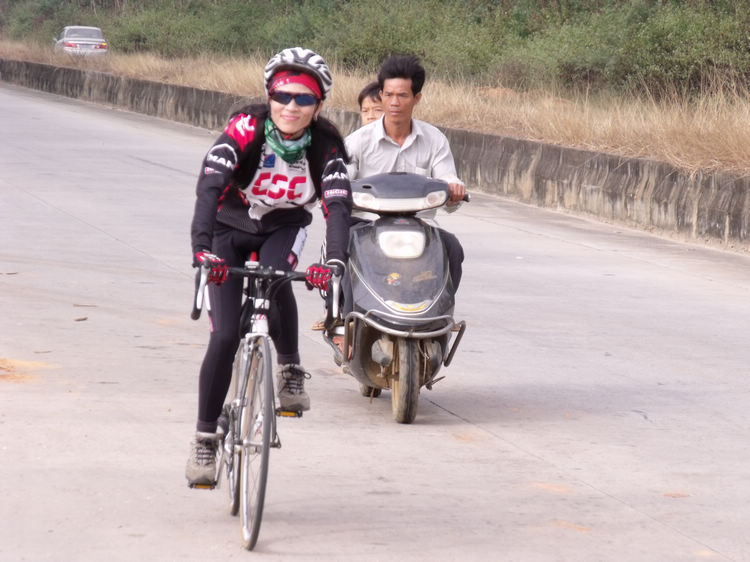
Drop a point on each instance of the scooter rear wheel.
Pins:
(405, 388)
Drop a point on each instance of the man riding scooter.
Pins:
(399, 291)
(399, 143)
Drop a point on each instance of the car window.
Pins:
(84, 33)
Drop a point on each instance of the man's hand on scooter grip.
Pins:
(217, 267)
(457, 192)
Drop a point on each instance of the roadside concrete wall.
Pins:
(711, 207)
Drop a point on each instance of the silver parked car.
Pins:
(81, 40)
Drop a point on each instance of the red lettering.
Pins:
(280, 186)
(257, 190)
(292, 184)
(241, 129)
(280, 192)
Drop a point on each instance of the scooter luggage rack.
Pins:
(368, 319)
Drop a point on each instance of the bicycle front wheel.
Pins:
(233, 412)
(256, 431)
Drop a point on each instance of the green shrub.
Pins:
(681, 48)
(640, 45)
(657, 45)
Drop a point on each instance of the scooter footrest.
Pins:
(428, 385)
(338, 355)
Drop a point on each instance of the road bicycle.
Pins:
(248, 420)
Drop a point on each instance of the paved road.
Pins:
(597, 410)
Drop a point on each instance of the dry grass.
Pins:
(712, 133)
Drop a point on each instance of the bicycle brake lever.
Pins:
(201, 278)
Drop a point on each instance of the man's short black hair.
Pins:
(372, 90)
(403, 66)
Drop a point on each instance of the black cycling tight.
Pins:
(279, 249)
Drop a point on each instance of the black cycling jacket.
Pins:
(231, 164)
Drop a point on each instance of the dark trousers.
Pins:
(279, 249)
(455, 256)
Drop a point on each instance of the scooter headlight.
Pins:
(402, 244)
(368, 202)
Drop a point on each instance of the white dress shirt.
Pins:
(425, 152)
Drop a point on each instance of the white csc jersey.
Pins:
(279, 185)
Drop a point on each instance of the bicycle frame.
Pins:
(248, 446)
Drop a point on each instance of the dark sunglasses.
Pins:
(301, 100)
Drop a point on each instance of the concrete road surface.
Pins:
(598, 408)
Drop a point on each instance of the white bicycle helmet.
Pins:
(305, 60)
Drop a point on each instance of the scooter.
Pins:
(390, 319)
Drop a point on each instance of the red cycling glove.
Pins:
(218, 269)
(318, 275)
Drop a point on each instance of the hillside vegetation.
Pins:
(623, 45)
(665, 80)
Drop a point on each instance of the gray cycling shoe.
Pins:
(291, 384)
(201, 466)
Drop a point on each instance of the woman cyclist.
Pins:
(256, 189)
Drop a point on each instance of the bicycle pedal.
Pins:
(202, 486)
(288, 413)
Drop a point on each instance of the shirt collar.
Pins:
(416, 130)
(379, 127)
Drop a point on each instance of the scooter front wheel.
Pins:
(405, 386)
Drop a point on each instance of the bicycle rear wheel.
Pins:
(256, 430)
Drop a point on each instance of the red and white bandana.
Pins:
(294, 77)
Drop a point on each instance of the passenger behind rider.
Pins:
(399, 143)
(257, 187)
(370, 104)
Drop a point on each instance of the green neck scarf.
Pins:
(290, 150)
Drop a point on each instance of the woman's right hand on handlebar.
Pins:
(217, 267)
